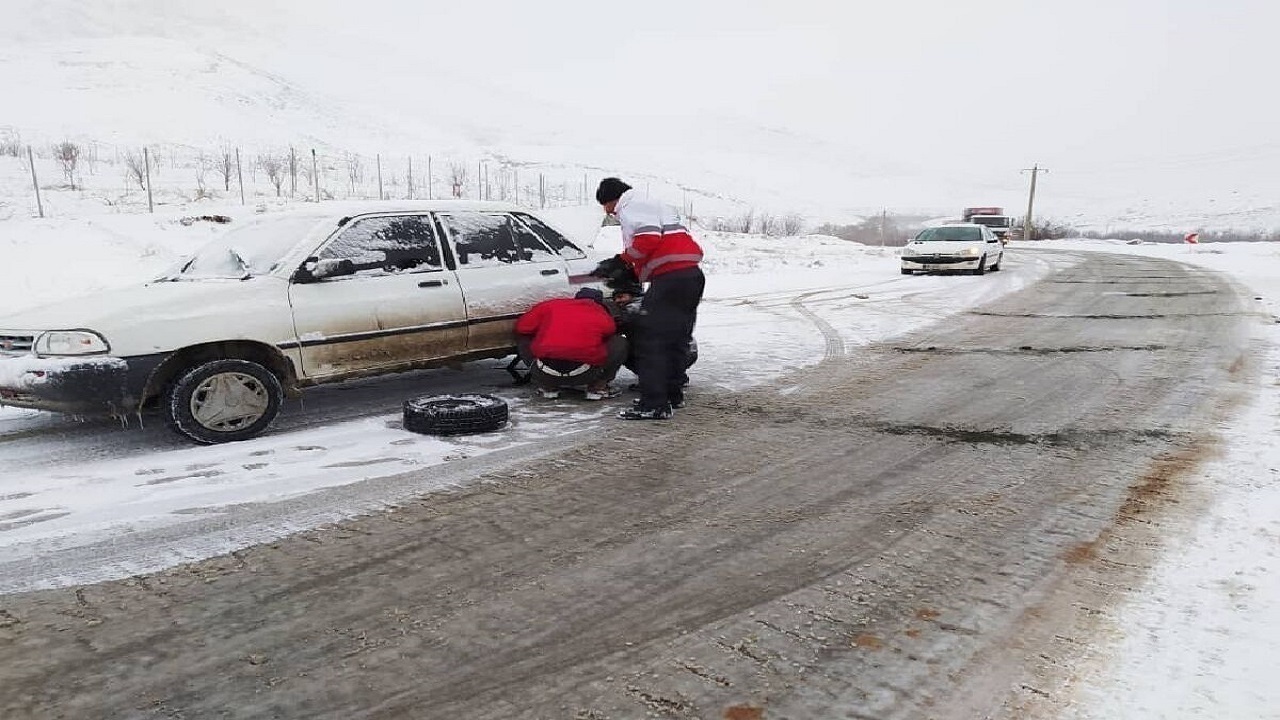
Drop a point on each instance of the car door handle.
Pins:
(432, 283)
(550, 272)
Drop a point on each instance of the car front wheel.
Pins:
(982, 266)
(223, 401)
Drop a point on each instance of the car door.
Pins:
(995, 251)
(393, 304)
(504, 269)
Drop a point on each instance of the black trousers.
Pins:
(665, 323)
(617, 347)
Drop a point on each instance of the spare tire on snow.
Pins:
(454, 414)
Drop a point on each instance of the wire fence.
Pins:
(170, 174)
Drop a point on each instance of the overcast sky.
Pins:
(1120, 81)
(1180, 90)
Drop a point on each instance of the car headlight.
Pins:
(973, 251)
(908, 251)
(70, 342)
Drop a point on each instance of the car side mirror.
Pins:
(314, 269)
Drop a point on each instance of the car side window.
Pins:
(489, 239)
(553, 239)
(382, 245)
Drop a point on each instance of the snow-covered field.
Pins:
(1206, 620)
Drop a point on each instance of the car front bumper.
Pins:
(87, 385)
(941, 262)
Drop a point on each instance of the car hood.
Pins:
(943, 247)
(108, 310)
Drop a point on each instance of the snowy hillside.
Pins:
(533, 92)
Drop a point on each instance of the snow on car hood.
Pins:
(943, 247)
(110, 310)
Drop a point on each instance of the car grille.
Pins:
(10, 343)
(938, 259)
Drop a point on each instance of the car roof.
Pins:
(962, 225)
(348, 208)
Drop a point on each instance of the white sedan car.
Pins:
(958, 247)
(317, 295)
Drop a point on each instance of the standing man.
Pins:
(660, 251)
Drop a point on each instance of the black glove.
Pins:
(608, 267)
(615, 273)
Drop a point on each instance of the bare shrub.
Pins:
(274, 166)
(67, 154)
(135, 168)
(355, 171)
(884, 229)
(741, 223)
(225, 164)
(791, 224)
(1047, 229)
(458, 179)
(10, 142)
(203, 164)
(767, 223)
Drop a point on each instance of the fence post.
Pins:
(293, 172)
(315, 173)
(146, 163)
(377, 159)
(239, 176)
(31, 160)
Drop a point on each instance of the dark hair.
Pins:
(589, 293)
(610, 189)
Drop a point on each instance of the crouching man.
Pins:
(572, 343)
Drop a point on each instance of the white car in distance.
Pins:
(958, 247)
(316, 295)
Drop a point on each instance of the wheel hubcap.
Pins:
(229, 401)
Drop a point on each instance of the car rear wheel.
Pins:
(223, 401)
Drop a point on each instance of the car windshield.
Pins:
(252, 249)
(961, 234)
(990, 220)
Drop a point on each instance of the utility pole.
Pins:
(293, 171)
(378, 160)
(431, 181)
(146, 163)
(239, 176)
(315, 173)
(410, 177)
(1035, 170)
(884, 212)
(31, 160)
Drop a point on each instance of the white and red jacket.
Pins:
(654, 240)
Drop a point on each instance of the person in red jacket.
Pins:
(658, 248)
(572, 343)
